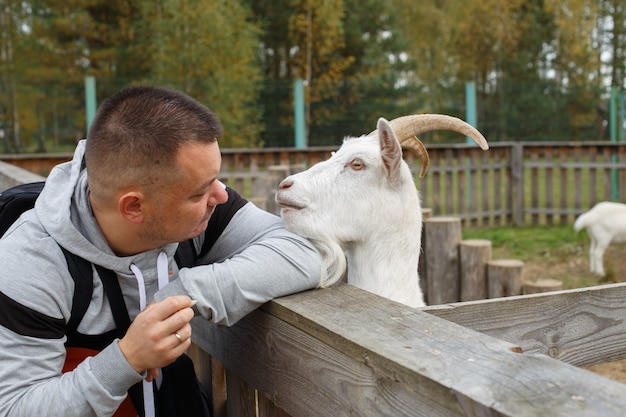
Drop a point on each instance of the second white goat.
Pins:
(362, 210)
(605, 224)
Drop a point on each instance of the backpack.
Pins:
(177, 399)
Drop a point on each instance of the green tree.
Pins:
(12, 14)
(374, 83)
(351, 55)
(428, 27)
(613, 19)
(207, 49)
(300, 39)
(63, 42)
(576, 65)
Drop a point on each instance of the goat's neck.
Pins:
(387, 268)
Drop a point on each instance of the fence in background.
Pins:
(519, 183)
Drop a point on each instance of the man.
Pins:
(145, 179)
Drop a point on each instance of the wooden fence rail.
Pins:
(345, 352)
(517, 183)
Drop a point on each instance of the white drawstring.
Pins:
(162, 270)
(163, 279)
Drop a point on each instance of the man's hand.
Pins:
(158, 335)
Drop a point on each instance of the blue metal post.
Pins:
(470, 106)
(90, 99)
(471, 118)
(298, 112)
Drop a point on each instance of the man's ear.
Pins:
(130, 206)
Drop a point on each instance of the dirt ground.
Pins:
(573, 270)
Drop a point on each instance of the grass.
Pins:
(555, 252)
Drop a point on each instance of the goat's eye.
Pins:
(357, 164)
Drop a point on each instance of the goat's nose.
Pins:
(286, 183)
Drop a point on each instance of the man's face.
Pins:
(182, 210)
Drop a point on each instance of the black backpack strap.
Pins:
(81, 272)
(220, 219)
(116, 299)
(186, 255)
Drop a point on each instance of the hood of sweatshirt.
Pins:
(64, 211)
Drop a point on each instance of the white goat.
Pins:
(362, 210)
(605, 224)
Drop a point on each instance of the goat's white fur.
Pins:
(605, 224)
(362, 202)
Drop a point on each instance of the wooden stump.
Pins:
(504, 277)
(442, 236)
(542, 285)
(473, 257)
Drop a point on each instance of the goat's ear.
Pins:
(391, 151)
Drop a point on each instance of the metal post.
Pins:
(471, 118)
(90, 99)
(298, 110)
(470, 106)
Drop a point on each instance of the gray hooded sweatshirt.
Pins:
(254, 260)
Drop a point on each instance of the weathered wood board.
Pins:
(345, 352)
(582, 327)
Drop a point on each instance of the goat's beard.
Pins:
(334, 263)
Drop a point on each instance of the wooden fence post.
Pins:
(473, 257)
(504, 277)
(517, 184)
(441, 238)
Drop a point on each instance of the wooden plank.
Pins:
(343, 352)
(606, 195)
(472, 191)
(549, 192)
(534, 187)
(484, 185)
(463, 178)
(593, 195)
(563, 197)
(582, 327)
(437, 179)
(497, 185)
(577, 191)
(450, 162)
(516, 190)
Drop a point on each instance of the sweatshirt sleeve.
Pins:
(35, 302)
(253, 261)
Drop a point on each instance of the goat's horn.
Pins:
(416, 145)
(409, 126)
